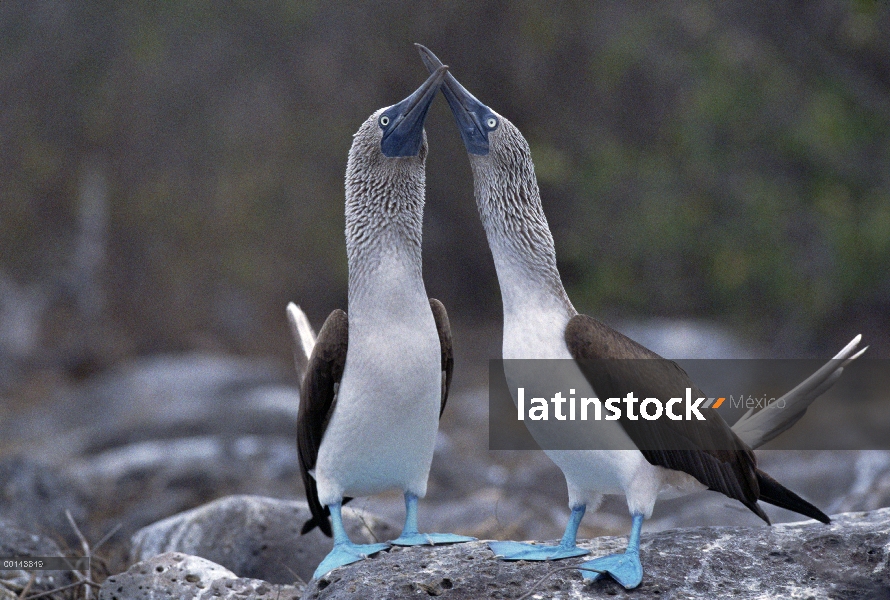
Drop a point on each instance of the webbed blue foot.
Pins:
(624, 568)
(565, 549)
(345, 554)
(344, 551)
(411, 537)
(430, 539)
(520, 551)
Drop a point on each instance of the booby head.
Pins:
(390, 147)
(401, 125)
(386, 180)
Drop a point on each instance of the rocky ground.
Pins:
(847, 559)
(195, 455)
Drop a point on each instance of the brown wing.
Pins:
(317, 399)
(708, 450)
(443, 327)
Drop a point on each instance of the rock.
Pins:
(141, 483)
(847, 559)
(272, 457)
(163, 397)
(176, 575)
(162, 435)
(18, 543)
(35, 497)
(254, 536)
(151, 438)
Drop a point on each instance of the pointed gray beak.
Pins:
(473, 118)
(402, 123)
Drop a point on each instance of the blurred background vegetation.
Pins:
(171, 174)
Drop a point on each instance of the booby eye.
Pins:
(491, 122)
(384, 121)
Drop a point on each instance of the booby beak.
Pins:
(474, 119)
(402, 123)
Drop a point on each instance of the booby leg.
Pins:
(624, 568)
(410, 535)
(566, 548)
(344, 551)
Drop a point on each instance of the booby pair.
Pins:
(541, 323)
(377, 380)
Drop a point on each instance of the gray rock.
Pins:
(161, 397)
(847, 559)
(162, 435)
(35, 497)
(271, 458)
(254, 536)
(18, 543)
(141, 483)
(176, 575)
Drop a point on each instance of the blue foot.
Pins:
(519, 551)
(345, 554)
(411, 537)
(430, 539)
(565, 549)
(624, 568)
(344, 551)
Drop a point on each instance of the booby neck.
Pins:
(509, 204)
(384, 221)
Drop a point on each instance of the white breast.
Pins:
(383, 429)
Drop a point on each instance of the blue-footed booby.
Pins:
(376, 382)
(540, 322)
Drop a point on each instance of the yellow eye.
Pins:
(491, 122)
(384, 121)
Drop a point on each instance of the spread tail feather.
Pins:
(757, 428)
(304, 337)
(773, 492)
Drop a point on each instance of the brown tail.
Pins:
(773, 492)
